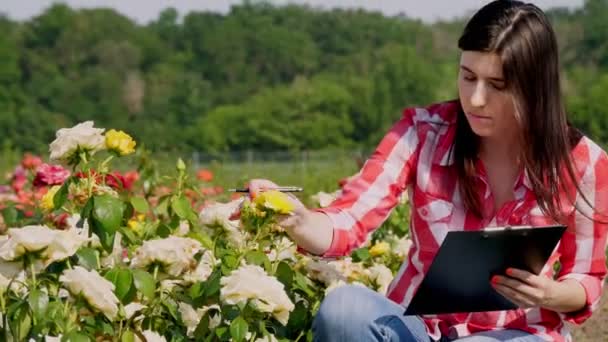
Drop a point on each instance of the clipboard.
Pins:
(458, 279)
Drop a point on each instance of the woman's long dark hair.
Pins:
(522, 36)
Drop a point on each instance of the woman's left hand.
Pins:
(525, 289)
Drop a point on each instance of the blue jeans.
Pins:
(355, 313)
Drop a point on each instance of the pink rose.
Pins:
(47, 174)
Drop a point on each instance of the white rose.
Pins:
(169, 284)
(98, 291)
(333, 271)
(268, 294)
(115, 257)
(203, 270)
(151, 336)
(284, 249)
(72, 223)
(269, 338)
(324, 271)
(183, 228)
(219, 214)
(133, 308)
(12, 271)
(26, 239)
(65, 243)
(402, 247)
(55, 244)
(175, 253)
(382, 276)
(82, 136)
(192, 317)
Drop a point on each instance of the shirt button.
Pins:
(424, 212)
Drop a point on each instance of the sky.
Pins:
(145, 10)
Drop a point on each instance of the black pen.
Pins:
(280, 188)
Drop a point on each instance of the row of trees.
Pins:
(261, 76)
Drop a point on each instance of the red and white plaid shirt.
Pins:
(414, 156)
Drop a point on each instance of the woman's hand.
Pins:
(310, 230)
(525, 289)
(256, 186)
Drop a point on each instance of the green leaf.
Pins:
(202, 329)
(106, 218)
(10, 215)
(213, 284)
(238, 329)
(163, 230)
(221, 332)
(298, 317)
(39, 302)
(127, 336)
(140, 204)
(285, 274)
(20, 320)
(55, 311)
(181, 207)
(62, 194)
(258, 258)
(87, 209)
(162, 207)
(360, 254)
(231, 261)
(107, 211)
(171, 307)
(302, 284)
(204, 239)
(122, 278)
(144, 283)
(87, 258)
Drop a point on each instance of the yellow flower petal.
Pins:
(379, 249)
(120, 142)
(47, 203)
(276, 201)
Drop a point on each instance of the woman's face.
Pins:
(486, 101)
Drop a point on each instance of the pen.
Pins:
(280, 188)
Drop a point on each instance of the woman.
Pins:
(503, 154)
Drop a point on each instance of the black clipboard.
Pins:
(458, 279)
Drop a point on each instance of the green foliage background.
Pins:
(260, 77)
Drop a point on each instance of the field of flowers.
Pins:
(90, 253)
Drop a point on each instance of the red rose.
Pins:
(30, 161)
(204, 175)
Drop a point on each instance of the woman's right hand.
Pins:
(310, 230)
(256, 186)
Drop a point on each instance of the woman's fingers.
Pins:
(516, 297)
(257, 185)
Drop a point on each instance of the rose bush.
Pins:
(91, 254)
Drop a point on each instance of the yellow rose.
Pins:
(274, 200)
(47, 203)
(379, 249)
(136, 224)
(120, 142)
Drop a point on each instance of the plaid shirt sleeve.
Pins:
(583, 245)
(368, 197)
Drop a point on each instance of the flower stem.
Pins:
(30, 261)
